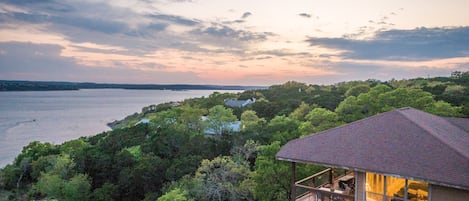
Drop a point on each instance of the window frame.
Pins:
(406, 187)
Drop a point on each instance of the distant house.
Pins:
(143, 121)
(175, 103)
(234, 126)
(239, 103)
(229, 126)
(401, 155)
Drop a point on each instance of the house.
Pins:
(143, 121)
(234, 126)
(239, 103)
(400, 155)
(228, 126)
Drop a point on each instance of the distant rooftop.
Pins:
(239, 103)
(406, 142)
(143, 121)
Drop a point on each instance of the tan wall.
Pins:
(360, 186)
(441, 193)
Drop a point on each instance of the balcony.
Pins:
(327, 185)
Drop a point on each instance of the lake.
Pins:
(58, 116)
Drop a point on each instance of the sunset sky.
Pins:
(231, 42)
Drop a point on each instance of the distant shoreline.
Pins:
(13, 85)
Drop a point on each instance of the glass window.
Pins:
(417, 190)
(374, 187)
(395, 189)
(380, 187)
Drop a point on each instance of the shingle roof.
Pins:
(235, 103)
(405, 142)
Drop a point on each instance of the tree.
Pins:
(60, 179)
(350, 109)
(218, 119)
(144, 177)
(357, 90)
(43, 164)
(272, 177)
(77, 188)
(252, 128)
(404, 97)
(455, 94)
(382, 98)
(50, 184)
(283, 129)
(249, 119)
(301, 112)
(64, 167)
(265, 109)
(34, 150)
(247, 152)
(175, 195)
(224, 179)
(19, 173)
(369, 102)
(320, 119)
(190, 116)
(9, 176)
(182, 165)
(442, 108)
(107, 192)
(73, 146)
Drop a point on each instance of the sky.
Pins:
(231, 42)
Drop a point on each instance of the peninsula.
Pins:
(14, 85)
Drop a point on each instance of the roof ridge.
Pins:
(431, 131)
(347, 124)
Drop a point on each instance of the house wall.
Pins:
(360, 186)
(441, 193)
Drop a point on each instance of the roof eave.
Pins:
(373, 171)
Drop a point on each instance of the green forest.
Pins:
(171, 158)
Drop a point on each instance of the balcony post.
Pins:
(293, 179)
(331, 179)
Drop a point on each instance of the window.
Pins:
(387, 188)
(395, 189)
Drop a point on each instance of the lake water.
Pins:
(58, 116)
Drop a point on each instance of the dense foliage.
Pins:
(172, 157)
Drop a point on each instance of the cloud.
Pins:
(99, 40)
(181, 1)
(157, 26)
(408, 45)
(246, 15)
(305, 15)
(22, 2)
(224, 31)
(43, 5)
(92, 24)
(236, 21)
(282, 53)
(175, 19)
(27, 61)
(56, 14)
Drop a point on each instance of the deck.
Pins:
(326, 186)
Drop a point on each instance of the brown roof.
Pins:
(405, 142)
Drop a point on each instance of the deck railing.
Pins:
(321, 187)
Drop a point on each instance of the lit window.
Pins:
(380, 187)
